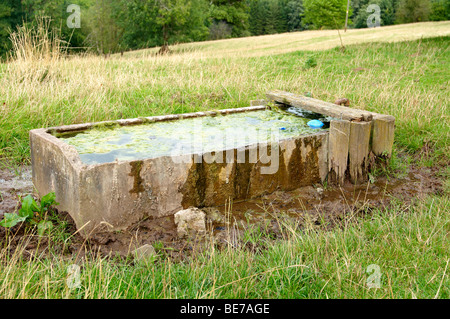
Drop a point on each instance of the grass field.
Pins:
(307, 40)
(408, 80)
(378, 71)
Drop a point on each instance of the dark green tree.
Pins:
(271, 16)
(234, 13)
(413, 11)
(145, 21)
(197, 21)
(281, 16)
(140, 29)
(103, 22)
(440, 10)
(170, 16)
(325, 13)
(56, 11)
(8, 22)
(387, 13)
(256, 17)
(356, 6)
(294, 12)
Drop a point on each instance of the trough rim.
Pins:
(72, 155)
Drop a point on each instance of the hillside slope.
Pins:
(308, 40)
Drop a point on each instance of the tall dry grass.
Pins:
(36, 51)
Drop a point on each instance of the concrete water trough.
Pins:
(110, 175)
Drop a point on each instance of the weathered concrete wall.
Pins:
(301, 161)
(119, 194)
(55, 167)
(114, 196)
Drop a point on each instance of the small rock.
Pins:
(190, 222)
(320, 192)
(145, 253)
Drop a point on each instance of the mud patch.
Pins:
(328, 206)
(229, 224)
(12, 186)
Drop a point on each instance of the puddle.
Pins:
(12, 186)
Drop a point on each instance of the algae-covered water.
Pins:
(187, 136)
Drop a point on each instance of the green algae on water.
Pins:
(187, 136)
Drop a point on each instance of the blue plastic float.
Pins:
(315, 124)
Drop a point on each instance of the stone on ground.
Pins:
(190, 222)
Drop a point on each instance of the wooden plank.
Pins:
(318, 106)
(338, 143)
(383, 135)
(358, 151)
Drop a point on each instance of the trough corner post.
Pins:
(338, 150)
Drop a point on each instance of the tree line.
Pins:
(108, 26)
